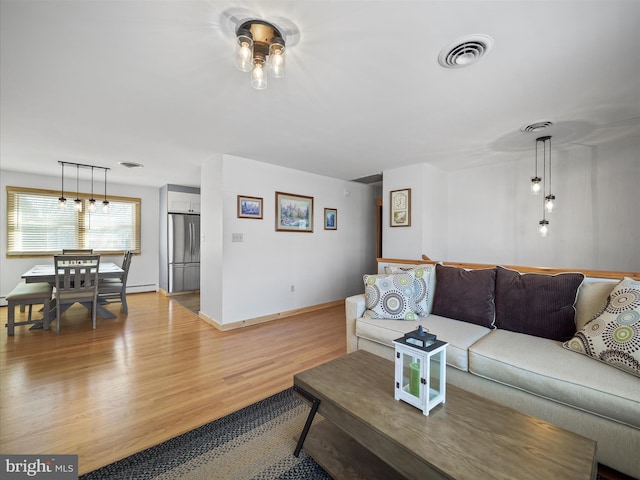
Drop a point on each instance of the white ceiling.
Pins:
(154, 82)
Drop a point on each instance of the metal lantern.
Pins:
(420, 369)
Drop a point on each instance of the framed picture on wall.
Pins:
(400, 207)
(330, 218)
(249, 207)
(294, 213)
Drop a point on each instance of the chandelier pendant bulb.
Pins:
(260, 47)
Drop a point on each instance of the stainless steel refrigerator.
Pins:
(184, 252)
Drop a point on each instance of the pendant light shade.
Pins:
(244, 50)
(544, 227)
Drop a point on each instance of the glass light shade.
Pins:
(276, 58)
(536, 185)
(92, 205)
(258, 75)
(105, 206)
(62, 203)
(244, 52)
(77, 204)
(549, 202)
(544, 227)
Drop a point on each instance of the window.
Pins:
(36, 226)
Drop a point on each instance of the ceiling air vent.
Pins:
(131, 164)
(536, 127)
(465, 51)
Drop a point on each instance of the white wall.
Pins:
(428, 213)
(257, 274)
(489, 216)
(143, 275)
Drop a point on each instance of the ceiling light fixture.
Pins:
(62, 202)
(260, 46)
(77, 202)
(105, 202)
(548, 202)
(92, 201)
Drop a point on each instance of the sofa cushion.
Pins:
(537, 304)
(424, 285)
(390, 296)
(465, 295)
(542, 367)
(592, 298)
(459, 335)
(613, 336)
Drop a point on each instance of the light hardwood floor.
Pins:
(140, 379)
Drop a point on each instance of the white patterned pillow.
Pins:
(390, 296)
(613, 335)
(424, 285)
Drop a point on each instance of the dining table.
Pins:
(46, 273)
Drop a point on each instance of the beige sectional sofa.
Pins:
(532, 374)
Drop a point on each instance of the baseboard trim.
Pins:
(162, 291)
(223, 327)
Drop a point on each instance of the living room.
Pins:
(103, 83)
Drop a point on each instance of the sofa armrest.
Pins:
(354, 309)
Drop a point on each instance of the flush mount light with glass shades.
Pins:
(62, 201)
(260, 46)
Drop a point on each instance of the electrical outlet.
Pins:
(236, 237)
(293, 288)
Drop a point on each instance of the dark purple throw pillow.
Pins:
(537, 304)
(465, 295)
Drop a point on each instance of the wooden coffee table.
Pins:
(366, 433)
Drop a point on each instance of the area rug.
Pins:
(256, 442)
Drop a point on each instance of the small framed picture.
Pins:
(400, 208)
(294, 213)
(330, 218)
(249, 207)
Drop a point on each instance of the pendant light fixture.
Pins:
(260, 47)
(549, 199)
(547, 204)
(105, 202)
(62, 202)
(92, 201)
(536, 181)
(77, 202)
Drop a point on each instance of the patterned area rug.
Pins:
(256, 442)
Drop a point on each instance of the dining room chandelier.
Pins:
(260, 48)
(62, 201)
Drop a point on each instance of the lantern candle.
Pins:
(414, 379)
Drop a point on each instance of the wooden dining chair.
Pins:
(114, 290)
(77, 251)
(76, 282)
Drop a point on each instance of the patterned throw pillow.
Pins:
(390, 296)
(613, 336)
(424, 285)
